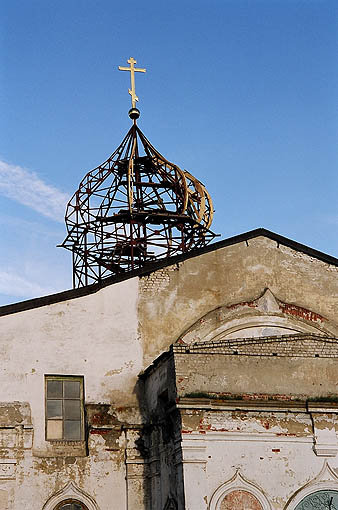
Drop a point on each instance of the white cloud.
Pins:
(331, 219)
(27, 188)
(12, 284)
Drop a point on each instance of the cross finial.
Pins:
(132, 70)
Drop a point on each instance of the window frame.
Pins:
(63, 378)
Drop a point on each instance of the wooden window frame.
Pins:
(80, 379)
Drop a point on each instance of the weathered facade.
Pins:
(207, 382)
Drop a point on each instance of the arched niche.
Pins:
(264, 316)
(316, 494)
(238, 494)
(70, 493)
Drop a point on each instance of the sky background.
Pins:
(241, 93)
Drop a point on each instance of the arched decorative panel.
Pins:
(321, 493)
(70, 498)
(264, 316)
(239, 494)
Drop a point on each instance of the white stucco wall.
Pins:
(95, 336)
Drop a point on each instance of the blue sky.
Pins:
(241, 93)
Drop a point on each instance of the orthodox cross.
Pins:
(132, 70)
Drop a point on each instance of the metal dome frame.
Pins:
(133, 209)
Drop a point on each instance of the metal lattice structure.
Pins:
(134, 209)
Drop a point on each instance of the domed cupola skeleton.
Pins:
(134, 209)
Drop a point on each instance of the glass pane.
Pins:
(71, 389)
(54, 389)
(73, 430)
(54, 429)
(54, 408)
(72, 409)
(75, 505)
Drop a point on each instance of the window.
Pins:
(71, 504)
(64, 409)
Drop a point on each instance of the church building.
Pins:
(179, 372)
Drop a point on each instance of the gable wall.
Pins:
(176, 297)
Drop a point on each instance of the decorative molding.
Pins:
(71, 491)
(325, 449)
(325, 438)
(7, 469)
(238, 482)
(264, 312)
(327, 479)
(258, 437)
(247, 405)
(193, 450)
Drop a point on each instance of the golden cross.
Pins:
(132, 70)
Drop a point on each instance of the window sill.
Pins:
(62, 448)
(65, 442)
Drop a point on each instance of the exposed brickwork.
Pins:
(155, 282)
(303, 313)
(306, 345)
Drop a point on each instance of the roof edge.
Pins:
(151, 267)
